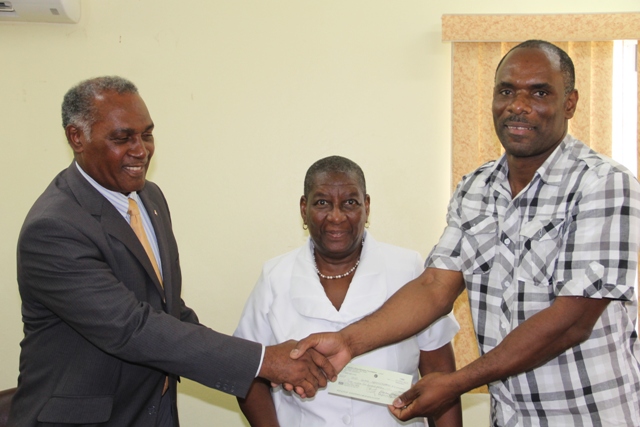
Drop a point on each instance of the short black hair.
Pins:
(566, 64)
(333, 164)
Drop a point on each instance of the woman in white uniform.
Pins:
(339, 276)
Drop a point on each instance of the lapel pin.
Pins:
(155, 212)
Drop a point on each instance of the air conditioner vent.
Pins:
(5, 6)
(60, 11)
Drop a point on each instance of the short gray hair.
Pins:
(333, 164)
(78, 107)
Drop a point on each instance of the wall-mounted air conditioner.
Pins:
(63, 11)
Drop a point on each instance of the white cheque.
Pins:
(370, 384)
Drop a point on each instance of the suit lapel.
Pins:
(159, 227)
(111, 220)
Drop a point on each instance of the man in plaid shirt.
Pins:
(545, 240)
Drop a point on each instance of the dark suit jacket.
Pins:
(99, 338)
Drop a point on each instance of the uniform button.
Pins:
(507, 241)
(346, 419)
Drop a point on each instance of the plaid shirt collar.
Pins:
(550, 172)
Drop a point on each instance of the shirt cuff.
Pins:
(261, 360)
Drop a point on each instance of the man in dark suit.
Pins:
(106, 332)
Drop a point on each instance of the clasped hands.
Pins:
(305, 366)
(303, 374)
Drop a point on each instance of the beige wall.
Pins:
(245, 96)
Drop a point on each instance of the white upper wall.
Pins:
(245, 96)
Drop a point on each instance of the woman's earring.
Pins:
(304, 226)
(366, 224)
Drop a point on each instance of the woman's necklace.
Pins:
(339, 276)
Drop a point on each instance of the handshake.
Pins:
(306, 365)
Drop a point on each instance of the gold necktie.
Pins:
(136, 224)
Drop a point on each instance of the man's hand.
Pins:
(306, 373)
(331, 344)
(429, 397)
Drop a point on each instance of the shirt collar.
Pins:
(550, 172)
(554, 168)
(118, 200)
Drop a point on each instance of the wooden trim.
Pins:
(558, 27)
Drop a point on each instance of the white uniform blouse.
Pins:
(288, 302)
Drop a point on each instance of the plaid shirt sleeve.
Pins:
(446, 254)
(598, 257)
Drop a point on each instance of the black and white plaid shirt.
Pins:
(573, 231)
